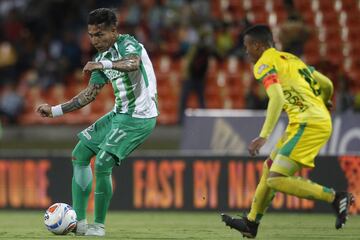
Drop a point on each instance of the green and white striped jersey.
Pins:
(135, 92)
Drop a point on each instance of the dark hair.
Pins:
(261, 33)
(102, 16)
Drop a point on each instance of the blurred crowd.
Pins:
(45, 43)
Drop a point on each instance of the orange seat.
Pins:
(311, 51)
(278, 6)
(333, 33)
(56, 94)
(330, 18)
(216, 8)
(281, 17)
(309, 17)
(261, 17)
(215, 102)
(236, 92)
(167, 118)
(352, 19)
(257, 6)
(349, 5)
(33, 97)
(303, 5)
(326, 6)
(238, 103)
(192, 101)
(334, 51)
(354, 34)
(212, 90)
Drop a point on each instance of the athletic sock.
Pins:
(103, 190)
(81, 180)
(103, 194)
(81, 189)
(263, 195)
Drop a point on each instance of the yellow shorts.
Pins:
(299, 145)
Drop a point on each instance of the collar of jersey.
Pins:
(267, 51)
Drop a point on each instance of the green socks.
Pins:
(81, 189)
(103, 190)
(82, 179)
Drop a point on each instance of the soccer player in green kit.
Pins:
(124, 63)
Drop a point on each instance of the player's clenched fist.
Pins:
(44, 110)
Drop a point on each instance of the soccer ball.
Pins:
(60, 218)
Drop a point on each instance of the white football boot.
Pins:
(96, 229)
(81, 227)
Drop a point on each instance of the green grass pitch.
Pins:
(184, 225)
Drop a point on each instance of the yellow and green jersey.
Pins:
(302, 93)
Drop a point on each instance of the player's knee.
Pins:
(274, 180)
(266, 167)
(104, 163)
(271, 183)
(81, 155)
(268, 162)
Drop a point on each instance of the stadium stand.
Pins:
(335, 37)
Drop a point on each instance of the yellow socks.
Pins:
(301, 188)
(263, 195)
(296, 186)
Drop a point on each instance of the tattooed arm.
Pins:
(127, 64)
(85, 97)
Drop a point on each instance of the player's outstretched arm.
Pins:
(85, 97)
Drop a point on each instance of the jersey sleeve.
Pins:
(327, 88)
(130, 46)
(98, 77)
(265, 72)
(274, 108)
(311, 69)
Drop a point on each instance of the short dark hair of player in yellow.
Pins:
(261, 33)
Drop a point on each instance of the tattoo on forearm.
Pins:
(85, 97)
(128, 64)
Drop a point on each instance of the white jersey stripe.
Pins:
(135, 92)
(122, 96)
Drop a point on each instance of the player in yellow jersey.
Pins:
(304, 94)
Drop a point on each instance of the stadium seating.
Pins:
(336, 35)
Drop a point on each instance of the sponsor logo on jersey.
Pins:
(262, 67)
(130, 48)
(113, 74)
